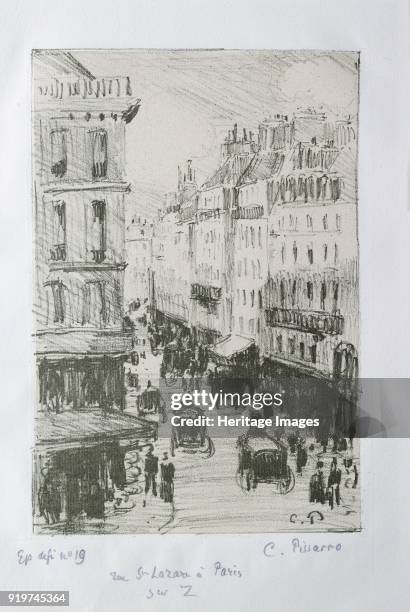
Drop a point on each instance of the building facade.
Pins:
(138, 245)
(78, 138)
(79, 190)
(268, 245)
(310, 299)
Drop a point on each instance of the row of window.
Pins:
(308, 189)
(96, 307)
(97, 231)
(293, 223)
(313, 157)
(256, 268)
(301, 351)
(291, 293)
(241, 297)
(251, 325)
(247, 236)
(309, 253)
(207, 272)
(212, 236)
(99, 152)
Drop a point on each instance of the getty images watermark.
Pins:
(210, 401)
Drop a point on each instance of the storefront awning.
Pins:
(228, 347)
(83, 343)
(88, 427)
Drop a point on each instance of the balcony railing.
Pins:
(205, 293)
(203, 215)
(248, 212)
(312, 321)
(98, 255)
(99, 169)
(58, 252)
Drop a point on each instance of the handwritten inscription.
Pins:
(51, 555)
(177, 579)
(298, 545)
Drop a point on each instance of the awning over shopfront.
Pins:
(74, 428)
(229, 347)
(83, 343)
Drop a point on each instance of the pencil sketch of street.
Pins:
(195, 228)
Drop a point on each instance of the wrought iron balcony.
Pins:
(313, 321)
(248, 212)
(99, 169)
(205, 293)
(98, 255)
(58, 252)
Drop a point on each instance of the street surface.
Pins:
(208, 497)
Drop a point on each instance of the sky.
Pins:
(190, 99)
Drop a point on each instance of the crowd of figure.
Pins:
(182, 357)
(324, 489)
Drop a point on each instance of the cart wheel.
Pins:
(287, 484)
(241, 481)
(211, 447)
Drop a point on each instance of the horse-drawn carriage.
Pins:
(262, 459)
(191, 438)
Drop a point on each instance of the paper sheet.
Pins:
(347, 571)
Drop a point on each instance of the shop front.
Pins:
(80, 459)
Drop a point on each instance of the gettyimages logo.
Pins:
(207, 400)
(194, 404)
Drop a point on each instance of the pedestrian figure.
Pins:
(245, 462)
(55, 503)
(342, 445)
(317, 485)
(167, 479)
(324, 442)
(348, 459)
(151, 401)
(95, 501)
(356, 476)
(151, 471)
(333, 484)
(44, 502)
(292, 439)
(301, 456)
(186, 378)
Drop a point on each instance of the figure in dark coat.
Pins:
(301, 456)
(151, 471)
(44, 502)
(95, 501)
(333, 484)
(317, 485)
(167, 479)
(55, 503)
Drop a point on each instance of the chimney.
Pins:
(235, 132)
(244, 135)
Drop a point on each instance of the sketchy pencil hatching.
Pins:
(195, 231)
